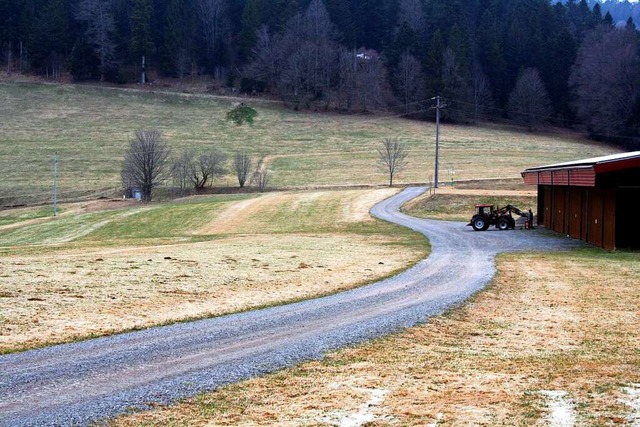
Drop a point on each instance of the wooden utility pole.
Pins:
(55, 184)
(438, 107)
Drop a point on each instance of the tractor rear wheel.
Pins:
(479, 223)
(503, 223)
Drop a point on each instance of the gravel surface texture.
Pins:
(80, 383)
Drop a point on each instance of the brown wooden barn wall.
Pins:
(594, 203)
(586, 213)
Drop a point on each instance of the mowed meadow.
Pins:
(108, 266)
(562, 324)
(89, 128)
(103, 262)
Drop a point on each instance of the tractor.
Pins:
(485, 215)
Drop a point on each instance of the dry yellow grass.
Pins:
(549, 322)
(457, 204)
(82, 289)
(45, 299)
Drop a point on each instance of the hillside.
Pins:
(89, 127)
(488, 59)
(549, 324)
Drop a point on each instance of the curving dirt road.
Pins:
(76, 384)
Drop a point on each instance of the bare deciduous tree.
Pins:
(242, 164)
(146, 162)
(320, 55)
(181, 171)
(9, 56)
(100, 28)
(529, 101)
(55, 65)
(481, 97)
(360, 81)
(455, 88)
(412, 12)
(261, 179)
(206, 167)
(344, 92)
(393, 157)
(267, 58)
(410, 82)
(300, 63)
(306, 65)
(211, 14)
(291, 83)
(605, 80)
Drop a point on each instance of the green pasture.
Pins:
(12, 216)
(182, 220)
(89, 128)
(452, 207)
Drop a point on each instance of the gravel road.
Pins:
(76, 384)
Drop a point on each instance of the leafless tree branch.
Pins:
(146, 162)
(242, 164)
(393, 157)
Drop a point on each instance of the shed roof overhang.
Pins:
(581, 173)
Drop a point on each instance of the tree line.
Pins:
(529, 61)
(621, 10)
(149, 163)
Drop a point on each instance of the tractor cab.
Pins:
(483, 209)
(482, 217)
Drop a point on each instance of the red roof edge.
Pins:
(581, 172)
(618, 165)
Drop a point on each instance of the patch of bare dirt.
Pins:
(104, 205)
(236, 214)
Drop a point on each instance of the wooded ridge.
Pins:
(527, 61)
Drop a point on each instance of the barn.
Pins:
(592, 199)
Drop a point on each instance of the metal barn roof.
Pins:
(580, 172)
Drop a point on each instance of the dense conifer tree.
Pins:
(50, 40)
(141, 35)
(178, 44)
(471, 51)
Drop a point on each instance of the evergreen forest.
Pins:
(530, 62)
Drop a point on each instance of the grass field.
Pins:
(104, 267)
(89, 128)
(552, 330)
(458, 204)
(553, 341)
